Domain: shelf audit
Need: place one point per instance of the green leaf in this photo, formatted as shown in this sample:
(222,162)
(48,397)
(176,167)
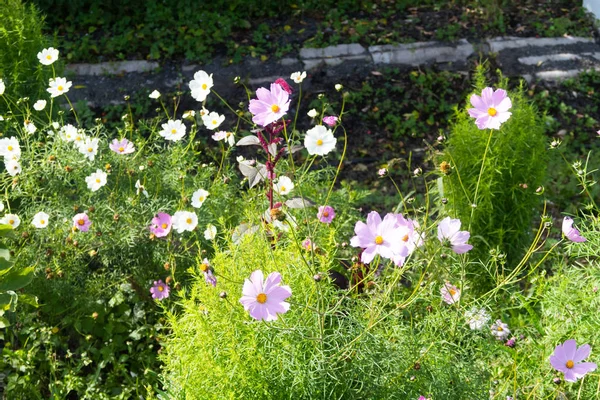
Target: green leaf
(5,265)
(8,301)
(6,231)
(29,299)
(4,322)
(15,280)
(4,252)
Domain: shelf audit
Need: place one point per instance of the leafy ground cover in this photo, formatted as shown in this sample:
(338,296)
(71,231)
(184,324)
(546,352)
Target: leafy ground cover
(90,30)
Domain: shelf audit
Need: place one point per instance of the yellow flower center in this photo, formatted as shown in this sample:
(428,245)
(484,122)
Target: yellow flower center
(405,238)
(499,329)
(42,222)
(275,108)
(173,131)
(319,142)
(214,121)
(48,57)
(164,226)
(11,221)
(261,298)
(378,240)
(189,220)
(452,292)
(204,86)
(60,88)
(10,148)
(81,222)
(282,189)
(492,112)
(204,267)
(90,150)
(160,288)
(201,198)
(570,364)
(121,149)
(97,180)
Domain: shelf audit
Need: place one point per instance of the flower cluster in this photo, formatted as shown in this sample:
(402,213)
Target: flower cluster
(11,151)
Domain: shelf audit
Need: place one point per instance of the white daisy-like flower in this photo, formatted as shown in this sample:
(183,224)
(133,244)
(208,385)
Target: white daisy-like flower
(140,188)
(298,77)
(40,220)
(203,112)
(312,113)
(200,85)
(68,133)
(173,130)
(154,95)
(229,137)
(190,114)
(12,220)
(283,185)
(10,149)
(213,120)
(48,56)
(184,221)
(39,105)
(2,87)
(13,167)
(89,148)
(79,139)
(96,180)
(319,140)
(58,86)
(29,127)
(198,198)
(211,232)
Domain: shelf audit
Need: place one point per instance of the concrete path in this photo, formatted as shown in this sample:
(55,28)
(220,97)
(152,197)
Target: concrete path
(532,58)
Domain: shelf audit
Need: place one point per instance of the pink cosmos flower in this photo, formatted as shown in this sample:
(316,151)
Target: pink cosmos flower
(450,293)
(491,109)
(159,290)
(265,299)
(567,359)
(122,146)
(378,236)
(81,222)
(500,330)
(209,277)
(307,244)
(449,231)
(410,238)
(326,214)
(570,232)
(284,85)
(161,224)
(270,105)
(330,120)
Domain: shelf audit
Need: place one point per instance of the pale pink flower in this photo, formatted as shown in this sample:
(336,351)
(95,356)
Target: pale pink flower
(379,236)
(270,105)
(330,120)
(567,359)
(159,290)
(82,222)
(264,299)
(122,146)
(450,293)
(449,231)
(570,232)
(491,109)
(326,214)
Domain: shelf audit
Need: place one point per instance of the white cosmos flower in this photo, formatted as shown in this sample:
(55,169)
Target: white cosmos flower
(211,232)
(39,105)
(11,219)
(68,133)
(184,221)
(224,135)
(199,197)
(312,113)
(298,77)
(173,130)
(79,138)
(58,86)
(9,148)
(29,127)
(154,95)
(40,220)
(13,167)
(200,85)
(89,148)
(319,140)
(283,185)
(213,120)
(48,56)
(96,180)
(2,87)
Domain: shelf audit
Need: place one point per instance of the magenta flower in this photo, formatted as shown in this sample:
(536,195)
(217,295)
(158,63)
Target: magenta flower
(450,293)
(379,236)
(570,232)
(265,299)
(159,290)
(270,105)
(122,146)
(491,109)
(449,231)
(567,359)
(326,214)
(209,277)
(161,224)
(330,120)
(81,222)
(284,85)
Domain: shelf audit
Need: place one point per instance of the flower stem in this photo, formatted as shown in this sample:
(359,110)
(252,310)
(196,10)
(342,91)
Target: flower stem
(487,146)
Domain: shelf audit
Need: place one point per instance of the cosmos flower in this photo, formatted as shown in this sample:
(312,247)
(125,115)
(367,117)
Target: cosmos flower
(13,167)
(211,232)
(39,105)
(159,290)
(89,148)
(270,105)
(96,180)
(82,222)
(312,113)
(450,293)
(330,120)
(122,146)
(500,330)
(58,86)
(265,299)
(206,268)
(226,136)
(173,130)
(198,198)
(12,220)
(326,214)
(319,140)
(161,224)
(477,318)
(491,109)
(567,359)
(298,77)
(10,148)
(184,221)
(379,236)
(570,232)
(449,231)
(409,237)
(212,120)
(68,133)
(200,85)
(40,220)
(48,56)
(283,185)
(154,95)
